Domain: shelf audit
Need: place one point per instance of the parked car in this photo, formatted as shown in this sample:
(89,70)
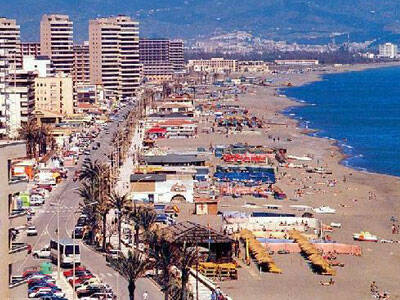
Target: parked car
(45,292)
(105,296)
(31,231)
(42,253)
(68,273)
(77,233)
(36,200)
(47,187)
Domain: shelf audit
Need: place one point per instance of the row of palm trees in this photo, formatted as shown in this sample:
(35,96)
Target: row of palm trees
(162,256)
(37,137)
(97,180)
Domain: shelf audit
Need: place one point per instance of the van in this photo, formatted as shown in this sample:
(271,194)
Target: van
(66,252)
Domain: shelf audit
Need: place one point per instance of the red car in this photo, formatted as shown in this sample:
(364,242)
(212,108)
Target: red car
(46,187)
(68,273)
(80,280)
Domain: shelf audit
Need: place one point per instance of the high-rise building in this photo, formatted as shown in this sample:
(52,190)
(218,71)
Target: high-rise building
(176,54)
(10,41)
(30,48)
(114,55)
(21,100)
(81,66)
(10,186)
(56,41)
(3,89)
(388,50)
(154,57)
(54,96)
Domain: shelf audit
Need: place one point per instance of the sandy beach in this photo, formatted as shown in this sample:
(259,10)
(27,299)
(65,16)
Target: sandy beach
(350,196)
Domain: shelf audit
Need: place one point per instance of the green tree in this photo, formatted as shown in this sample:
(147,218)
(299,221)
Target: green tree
(132,267)
(28,132)
(120,203)
(187,257)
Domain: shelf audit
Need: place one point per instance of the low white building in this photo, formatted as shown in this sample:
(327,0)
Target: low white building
(40,64)
(162,188)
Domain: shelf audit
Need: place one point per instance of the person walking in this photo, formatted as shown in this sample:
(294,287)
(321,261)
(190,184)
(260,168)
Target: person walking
(145,296)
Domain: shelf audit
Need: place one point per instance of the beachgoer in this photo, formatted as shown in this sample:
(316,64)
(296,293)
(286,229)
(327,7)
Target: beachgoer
(213,296)
(373,287)
(145,296)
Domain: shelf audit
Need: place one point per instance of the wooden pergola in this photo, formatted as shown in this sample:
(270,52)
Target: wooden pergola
(193,234)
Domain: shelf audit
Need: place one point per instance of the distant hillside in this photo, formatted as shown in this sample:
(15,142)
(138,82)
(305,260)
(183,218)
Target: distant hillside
(311,21)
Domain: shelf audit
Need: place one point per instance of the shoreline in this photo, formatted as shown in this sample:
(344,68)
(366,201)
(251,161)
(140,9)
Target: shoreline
(318,76)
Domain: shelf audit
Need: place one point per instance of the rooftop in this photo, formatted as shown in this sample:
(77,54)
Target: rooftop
(194,233)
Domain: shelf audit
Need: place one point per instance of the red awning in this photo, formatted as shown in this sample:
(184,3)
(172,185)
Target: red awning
(157,130)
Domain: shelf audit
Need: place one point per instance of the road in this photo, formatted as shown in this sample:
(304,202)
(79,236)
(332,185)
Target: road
(45,221)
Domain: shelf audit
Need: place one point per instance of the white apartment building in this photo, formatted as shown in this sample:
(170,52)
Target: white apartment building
(3,94)
(20,102)
(114,55)
(388,50)
(213,65)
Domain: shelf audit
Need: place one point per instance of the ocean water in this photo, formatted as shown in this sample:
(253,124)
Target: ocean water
(361,110)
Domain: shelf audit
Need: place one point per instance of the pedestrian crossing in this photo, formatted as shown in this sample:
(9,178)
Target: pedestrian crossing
(53,210)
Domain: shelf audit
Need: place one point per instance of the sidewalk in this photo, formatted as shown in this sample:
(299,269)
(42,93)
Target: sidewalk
(123,183)
(64,285)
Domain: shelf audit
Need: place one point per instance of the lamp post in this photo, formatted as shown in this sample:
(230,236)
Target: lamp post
(58,239)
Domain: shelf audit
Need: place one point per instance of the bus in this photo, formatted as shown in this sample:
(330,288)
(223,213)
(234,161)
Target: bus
(66,252)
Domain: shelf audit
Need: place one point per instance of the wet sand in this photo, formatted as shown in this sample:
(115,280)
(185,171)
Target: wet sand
(354,208)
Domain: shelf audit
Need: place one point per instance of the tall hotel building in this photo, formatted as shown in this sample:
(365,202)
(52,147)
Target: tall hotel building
(114,55)
(81,69)
(176,54)
(154,56)
(56,41)
(10,41)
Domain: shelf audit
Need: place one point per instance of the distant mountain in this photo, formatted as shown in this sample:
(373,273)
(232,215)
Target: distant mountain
(311,21)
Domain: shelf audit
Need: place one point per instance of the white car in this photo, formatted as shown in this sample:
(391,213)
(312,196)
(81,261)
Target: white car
(44,291)
(31,231)
(103,296)
(42,253)
(36,200)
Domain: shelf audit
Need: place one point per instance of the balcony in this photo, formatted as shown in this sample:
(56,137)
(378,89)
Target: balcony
(18,252)
(17,184)
(17,219)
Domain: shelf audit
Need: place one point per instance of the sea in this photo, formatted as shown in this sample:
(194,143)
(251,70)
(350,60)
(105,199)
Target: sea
(360,110)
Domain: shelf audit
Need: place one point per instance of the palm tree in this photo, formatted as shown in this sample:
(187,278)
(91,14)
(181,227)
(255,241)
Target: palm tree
(97,175)
(43,138)
(132,268)
(165,255)
(187,257)
(90,171)
(28,132)
(120,203)
(144,218)
(88,193)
